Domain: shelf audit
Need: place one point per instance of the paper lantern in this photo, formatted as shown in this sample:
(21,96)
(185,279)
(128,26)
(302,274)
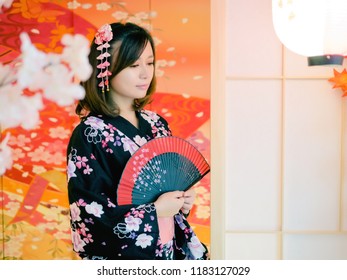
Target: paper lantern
(313,28)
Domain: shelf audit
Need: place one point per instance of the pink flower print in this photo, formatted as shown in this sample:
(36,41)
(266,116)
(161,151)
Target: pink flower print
(78,243)
(40,154)
(150,116)
(75,212)
(17,154)
(83,229)
(140,140)
(111,128)
(148,228)
(88,238)
(144,240)
(196,247)
(71,168)
(104,143)
(88,170)
(56,146)
(117,141)
(108,136)
(132,223)
(110,203)
(129,145)
(59,132)
(94,209)
(158,253)
(81,202)
(155,130)
(81,161)
(92,156)
(104,34)
(90,221)
(95,123)
(20,140)
(138,213)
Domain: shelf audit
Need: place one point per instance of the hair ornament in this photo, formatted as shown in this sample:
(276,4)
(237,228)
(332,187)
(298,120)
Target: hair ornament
(102,37)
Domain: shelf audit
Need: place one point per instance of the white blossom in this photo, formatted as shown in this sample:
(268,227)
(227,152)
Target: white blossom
(119,15)
(133,223)
(142,15)
(73,5)
(143,240)
(196,247)
(44,74)
(76,54)
(5,155)
(33,62)
(5,3)
(103,6)
(17,109)
(59,86)
(95,209)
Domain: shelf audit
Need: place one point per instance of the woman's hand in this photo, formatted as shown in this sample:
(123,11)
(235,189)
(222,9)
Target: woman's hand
(189,197)
(168,204)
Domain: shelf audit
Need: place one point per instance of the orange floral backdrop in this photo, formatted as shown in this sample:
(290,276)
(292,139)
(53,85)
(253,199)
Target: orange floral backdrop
(34,220)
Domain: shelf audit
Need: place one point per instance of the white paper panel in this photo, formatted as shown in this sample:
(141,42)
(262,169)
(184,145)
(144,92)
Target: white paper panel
(251,246)
(344,183)
(253,48)
(253,155)
(312,156)
(315,246)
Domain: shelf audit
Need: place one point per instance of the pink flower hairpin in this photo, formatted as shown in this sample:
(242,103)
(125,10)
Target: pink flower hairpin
(102,37)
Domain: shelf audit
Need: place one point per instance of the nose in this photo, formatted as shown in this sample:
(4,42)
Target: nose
(144,71)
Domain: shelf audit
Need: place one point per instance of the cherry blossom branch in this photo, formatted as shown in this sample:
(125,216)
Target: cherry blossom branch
(45,75)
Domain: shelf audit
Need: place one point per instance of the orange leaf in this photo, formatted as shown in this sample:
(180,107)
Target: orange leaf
(339,79)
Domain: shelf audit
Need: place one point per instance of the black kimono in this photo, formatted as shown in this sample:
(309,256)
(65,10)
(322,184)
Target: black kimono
(97,154)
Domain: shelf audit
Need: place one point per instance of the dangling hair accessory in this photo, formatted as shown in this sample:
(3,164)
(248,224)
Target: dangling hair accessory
(102,37)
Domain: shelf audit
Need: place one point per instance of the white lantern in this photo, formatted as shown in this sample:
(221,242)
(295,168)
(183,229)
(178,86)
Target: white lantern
(313,28)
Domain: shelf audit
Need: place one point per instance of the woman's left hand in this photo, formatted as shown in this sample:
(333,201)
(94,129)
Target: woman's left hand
(189,197)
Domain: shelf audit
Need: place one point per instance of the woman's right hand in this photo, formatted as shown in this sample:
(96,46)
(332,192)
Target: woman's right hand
(168,204)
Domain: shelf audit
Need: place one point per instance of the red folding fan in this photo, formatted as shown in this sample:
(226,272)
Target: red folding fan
(161,165)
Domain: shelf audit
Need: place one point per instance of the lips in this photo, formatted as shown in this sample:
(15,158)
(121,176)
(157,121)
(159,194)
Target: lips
(142,87)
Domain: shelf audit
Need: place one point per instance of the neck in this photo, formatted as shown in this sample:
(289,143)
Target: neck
(130,116)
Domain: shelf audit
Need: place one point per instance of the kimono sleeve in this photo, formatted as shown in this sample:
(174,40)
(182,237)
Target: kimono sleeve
(100,228)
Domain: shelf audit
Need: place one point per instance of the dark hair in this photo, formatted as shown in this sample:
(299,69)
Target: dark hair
(129,41)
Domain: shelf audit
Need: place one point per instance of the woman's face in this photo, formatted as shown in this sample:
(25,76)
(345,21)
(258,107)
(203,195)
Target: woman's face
(133,81)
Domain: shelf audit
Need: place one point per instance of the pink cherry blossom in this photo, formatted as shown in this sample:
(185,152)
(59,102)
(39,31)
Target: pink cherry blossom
(104,34)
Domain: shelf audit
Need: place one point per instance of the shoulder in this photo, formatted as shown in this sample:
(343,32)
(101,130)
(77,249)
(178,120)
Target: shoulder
(92,121)
(89,129)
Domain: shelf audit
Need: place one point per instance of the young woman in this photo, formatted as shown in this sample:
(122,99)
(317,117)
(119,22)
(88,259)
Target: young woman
(113,126)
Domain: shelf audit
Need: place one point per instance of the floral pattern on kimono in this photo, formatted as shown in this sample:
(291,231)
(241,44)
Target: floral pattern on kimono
(98,151)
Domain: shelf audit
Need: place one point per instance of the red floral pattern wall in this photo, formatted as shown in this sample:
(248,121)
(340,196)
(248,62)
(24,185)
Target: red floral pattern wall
(34,220)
